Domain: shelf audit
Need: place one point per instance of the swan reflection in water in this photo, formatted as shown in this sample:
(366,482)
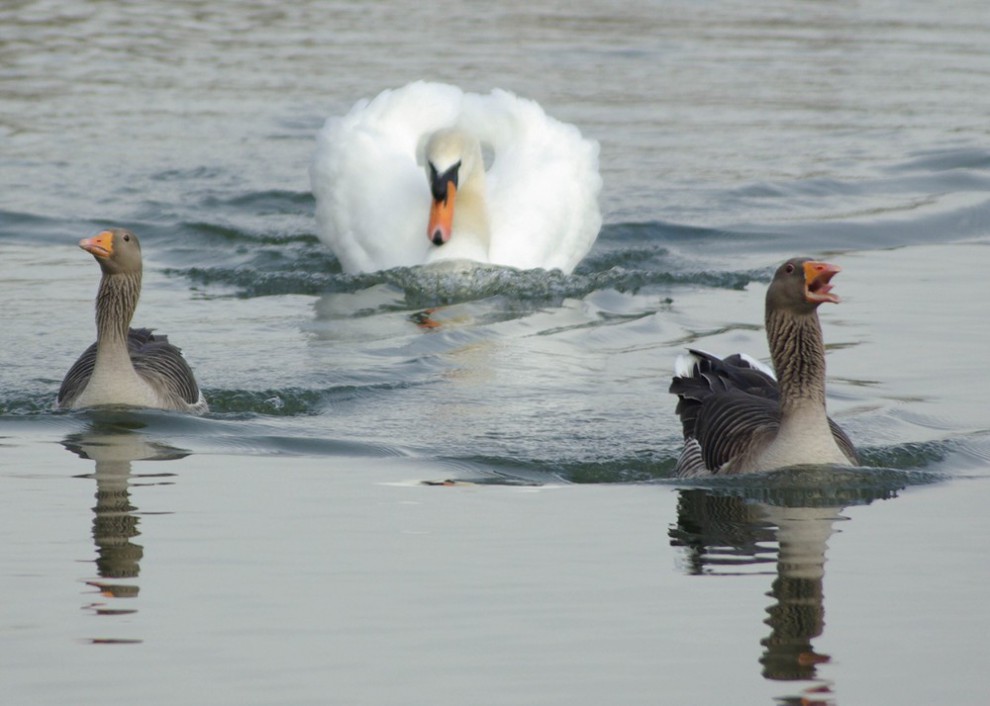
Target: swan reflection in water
(113,445)
(782,532)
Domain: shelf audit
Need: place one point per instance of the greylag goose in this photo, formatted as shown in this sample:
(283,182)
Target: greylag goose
(737,418)
(126,366)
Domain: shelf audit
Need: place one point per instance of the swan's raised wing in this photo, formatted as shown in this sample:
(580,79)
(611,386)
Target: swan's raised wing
(543,182)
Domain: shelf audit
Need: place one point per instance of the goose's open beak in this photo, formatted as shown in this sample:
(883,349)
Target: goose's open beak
(817,278)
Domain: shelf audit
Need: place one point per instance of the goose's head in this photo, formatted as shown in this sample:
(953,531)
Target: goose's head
(801,284)
(453,162)
(116,249)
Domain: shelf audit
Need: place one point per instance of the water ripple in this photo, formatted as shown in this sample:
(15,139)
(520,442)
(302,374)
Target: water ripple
(626,261)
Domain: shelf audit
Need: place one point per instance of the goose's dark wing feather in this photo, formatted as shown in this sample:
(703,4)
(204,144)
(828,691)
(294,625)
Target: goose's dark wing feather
(727,408)
(709,376)
(844,442)
(733,424)
(739,373)
(691,462)
(162,365)
(78,376)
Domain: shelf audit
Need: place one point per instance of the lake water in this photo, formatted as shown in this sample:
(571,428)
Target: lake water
(483,512)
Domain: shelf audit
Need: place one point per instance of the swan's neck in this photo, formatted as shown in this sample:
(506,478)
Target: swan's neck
(798,352)
(471,229)
(471,216)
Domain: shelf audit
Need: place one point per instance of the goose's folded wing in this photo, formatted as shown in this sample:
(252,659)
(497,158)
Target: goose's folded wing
(161,364)
(734,425)
(701,376)
(844,442)
(78,376)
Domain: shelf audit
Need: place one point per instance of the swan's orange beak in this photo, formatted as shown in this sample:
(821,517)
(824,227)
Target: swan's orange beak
(817,276)
(100,245)
(442,216)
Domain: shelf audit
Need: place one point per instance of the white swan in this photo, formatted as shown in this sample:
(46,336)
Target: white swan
(374,169)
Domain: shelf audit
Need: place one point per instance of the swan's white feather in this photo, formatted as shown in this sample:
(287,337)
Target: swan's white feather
(372,196)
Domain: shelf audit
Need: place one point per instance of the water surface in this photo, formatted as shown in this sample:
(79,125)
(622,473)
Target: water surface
(380,511)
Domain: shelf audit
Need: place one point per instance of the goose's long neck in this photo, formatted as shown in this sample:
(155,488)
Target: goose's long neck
(798,352)
(115,304)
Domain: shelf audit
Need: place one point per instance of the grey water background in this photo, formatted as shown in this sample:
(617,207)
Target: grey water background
(483,511)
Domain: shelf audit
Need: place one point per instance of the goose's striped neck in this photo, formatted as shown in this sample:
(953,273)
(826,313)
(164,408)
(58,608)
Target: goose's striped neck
(798,352)
(115,304)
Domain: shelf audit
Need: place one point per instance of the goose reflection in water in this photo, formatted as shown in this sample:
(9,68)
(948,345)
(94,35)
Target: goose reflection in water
(733,530)
(113,446)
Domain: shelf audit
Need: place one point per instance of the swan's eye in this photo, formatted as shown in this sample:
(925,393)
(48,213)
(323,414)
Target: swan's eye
(127,238)
(790,268)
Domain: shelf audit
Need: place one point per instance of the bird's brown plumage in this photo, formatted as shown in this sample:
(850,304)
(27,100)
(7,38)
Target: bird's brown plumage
(126,366)
(737,418)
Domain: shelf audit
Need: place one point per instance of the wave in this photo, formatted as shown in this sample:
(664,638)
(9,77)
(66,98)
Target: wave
(146,433)
(885,472)
(272,422)
(629,258)
(498,470)
(232,404)
(17,404)
(234,255)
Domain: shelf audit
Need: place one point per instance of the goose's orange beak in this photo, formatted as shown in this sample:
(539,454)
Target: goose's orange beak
(100,245)
(442,216)
(817,278)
